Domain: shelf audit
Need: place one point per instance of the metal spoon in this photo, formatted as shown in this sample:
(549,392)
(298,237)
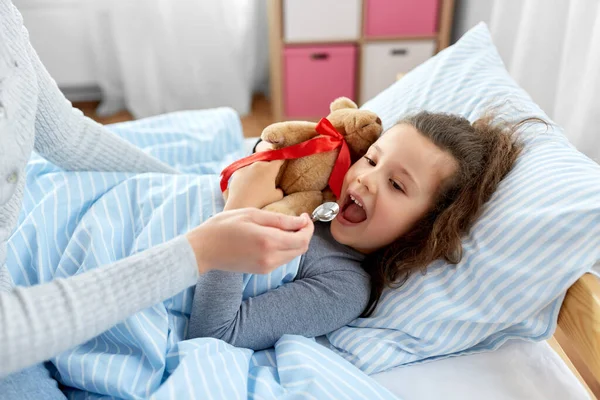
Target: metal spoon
(326,212)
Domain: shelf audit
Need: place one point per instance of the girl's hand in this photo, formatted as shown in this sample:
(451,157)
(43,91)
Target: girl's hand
(249,240)
(263,146)
(254,186)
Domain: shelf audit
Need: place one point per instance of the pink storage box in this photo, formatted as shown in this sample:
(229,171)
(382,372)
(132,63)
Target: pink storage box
(315,76)
(401,17)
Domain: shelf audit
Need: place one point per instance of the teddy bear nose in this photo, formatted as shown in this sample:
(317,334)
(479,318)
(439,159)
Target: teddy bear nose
(378,121)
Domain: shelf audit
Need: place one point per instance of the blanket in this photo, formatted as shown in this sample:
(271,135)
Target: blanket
(72,222)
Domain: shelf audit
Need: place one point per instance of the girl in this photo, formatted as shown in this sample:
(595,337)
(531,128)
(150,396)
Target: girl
(406,203)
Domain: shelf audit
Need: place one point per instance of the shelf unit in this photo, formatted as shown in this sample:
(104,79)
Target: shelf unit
(278,43)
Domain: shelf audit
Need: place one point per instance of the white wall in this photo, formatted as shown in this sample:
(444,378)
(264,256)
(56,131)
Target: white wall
(59,34)
(467,13)
(261,72)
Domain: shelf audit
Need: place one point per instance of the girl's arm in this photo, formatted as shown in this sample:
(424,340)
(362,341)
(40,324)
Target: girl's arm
(324,298)
(72,141)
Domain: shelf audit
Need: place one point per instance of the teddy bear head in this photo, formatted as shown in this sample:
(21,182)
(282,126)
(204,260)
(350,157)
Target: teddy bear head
(360,128)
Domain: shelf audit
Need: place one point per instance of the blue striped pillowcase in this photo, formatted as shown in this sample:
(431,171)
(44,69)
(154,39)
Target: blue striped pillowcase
(538,234)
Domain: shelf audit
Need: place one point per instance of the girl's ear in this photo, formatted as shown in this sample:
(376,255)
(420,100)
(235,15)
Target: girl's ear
(341,103)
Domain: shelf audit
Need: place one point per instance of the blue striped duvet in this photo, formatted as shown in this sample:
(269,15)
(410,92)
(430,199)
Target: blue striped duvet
(75,221)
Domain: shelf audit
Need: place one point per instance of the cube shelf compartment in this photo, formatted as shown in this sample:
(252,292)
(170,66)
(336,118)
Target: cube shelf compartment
(323,49)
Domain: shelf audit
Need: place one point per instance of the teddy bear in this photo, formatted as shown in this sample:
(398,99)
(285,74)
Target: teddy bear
(304,181)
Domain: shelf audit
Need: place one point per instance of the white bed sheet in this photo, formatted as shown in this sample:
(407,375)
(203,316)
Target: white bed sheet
(517,370)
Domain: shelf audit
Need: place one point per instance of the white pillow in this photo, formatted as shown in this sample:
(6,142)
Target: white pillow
(538,234)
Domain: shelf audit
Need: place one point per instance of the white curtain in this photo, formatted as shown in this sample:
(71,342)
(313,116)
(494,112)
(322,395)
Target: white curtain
(552,49)
(157,56)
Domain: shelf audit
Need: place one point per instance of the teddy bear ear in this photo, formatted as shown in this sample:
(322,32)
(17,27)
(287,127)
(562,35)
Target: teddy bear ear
(342,102)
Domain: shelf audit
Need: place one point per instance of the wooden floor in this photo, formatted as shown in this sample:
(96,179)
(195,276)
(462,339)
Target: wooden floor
(252,124)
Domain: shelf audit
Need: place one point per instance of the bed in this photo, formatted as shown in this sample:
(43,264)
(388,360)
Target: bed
(145,356)
(496,314)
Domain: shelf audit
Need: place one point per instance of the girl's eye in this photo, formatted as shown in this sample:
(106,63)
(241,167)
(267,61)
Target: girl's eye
(396,186)
(371,162)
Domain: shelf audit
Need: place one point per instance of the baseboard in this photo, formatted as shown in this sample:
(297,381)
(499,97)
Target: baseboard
(82,93)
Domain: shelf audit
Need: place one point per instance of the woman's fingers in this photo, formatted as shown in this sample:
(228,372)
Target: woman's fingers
(279,240)
(280,221)
(281,249)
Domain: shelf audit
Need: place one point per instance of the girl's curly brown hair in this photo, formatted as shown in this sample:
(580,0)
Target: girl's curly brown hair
(485,151)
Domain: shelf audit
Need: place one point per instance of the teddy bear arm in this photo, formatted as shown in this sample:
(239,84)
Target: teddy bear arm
(284,134)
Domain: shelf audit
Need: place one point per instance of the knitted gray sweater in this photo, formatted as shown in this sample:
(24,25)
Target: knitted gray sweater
(39,322)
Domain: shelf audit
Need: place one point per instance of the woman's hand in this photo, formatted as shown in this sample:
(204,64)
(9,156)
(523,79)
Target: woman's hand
(254,186)
(249,240)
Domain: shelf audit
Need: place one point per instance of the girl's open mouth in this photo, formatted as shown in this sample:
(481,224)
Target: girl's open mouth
(353,210)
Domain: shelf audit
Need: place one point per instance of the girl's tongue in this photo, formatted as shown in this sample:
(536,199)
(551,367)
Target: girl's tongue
(354,213)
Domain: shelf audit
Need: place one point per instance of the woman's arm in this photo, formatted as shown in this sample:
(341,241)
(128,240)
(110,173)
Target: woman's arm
(39,322)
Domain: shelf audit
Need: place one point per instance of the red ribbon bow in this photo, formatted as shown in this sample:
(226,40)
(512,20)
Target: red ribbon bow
(329,140)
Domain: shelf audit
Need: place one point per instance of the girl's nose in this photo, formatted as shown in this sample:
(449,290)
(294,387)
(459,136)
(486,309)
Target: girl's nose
(368,182)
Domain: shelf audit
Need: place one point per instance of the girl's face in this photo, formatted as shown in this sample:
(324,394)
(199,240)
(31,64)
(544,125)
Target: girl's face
(386,192)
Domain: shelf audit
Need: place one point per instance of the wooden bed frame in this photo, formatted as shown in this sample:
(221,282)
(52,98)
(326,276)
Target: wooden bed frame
(577,339)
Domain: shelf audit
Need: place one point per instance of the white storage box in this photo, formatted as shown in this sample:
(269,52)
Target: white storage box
(321,20)
(383,61)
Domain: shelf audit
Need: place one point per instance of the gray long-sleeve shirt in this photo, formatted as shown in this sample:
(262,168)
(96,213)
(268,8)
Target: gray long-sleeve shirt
(330,290)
